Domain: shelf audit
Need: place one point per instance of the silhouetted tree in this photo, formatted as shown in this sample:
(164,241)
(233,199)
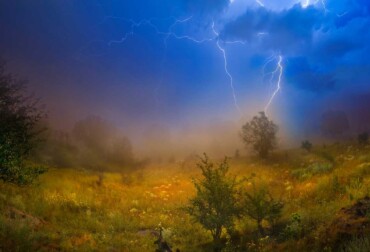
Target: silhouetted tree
(306,145)
(237,154)
(20,133)
(334,123)
(260,133)
(363,138)
(101,144)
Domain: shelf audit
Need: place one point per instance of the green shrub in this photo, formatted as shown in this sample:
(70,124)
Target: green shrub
(215,203)
(313,169)
(306,145)
(294,230)
(21,173)
(326,156)
(259,205)
(363,138)
(20,130)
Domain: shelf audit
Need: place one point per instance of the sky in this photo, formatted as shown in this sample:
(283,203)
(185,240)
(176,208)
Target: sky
(182,62)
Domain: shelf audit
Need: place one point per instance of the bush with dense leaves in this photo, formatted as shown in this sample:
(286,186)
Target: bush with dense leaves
(20,130)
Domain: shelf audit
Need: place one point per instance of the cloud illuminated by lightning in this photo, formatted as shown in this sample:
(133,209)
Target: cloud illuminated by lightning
(307,3)
(279,72)
(219,44)
(170,33)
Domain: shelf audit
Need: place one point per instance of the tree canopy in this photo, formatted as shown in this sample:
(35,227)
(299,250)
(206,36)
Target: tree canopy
(260,133)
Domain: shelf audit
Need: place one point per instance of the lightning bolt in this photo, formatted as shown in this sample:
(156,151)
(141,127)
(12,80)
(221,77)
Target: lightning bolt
(279,72)
(170,33)
(131,31)
(324,5)
(165,41)
(223,52)
(219,42)
(260,3)
(307,3)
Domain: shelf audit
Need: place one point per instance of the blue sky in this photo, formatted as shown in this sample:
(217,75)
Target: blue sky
(137,62)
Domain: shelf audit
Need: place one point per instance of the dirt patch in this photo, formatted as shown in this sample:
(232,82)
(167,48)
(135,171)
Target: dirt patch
(15,214)
(353,221)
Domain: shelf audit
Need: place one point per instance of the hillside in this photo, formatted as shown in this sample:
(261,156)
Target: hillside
(76,210)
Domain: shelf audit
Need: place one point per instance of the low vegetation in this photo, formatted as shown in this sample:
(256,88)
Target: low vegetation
(270,210)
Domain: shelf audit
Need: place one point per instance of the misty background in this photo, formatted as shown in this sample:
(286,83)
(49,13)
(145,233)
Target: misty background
(153,98)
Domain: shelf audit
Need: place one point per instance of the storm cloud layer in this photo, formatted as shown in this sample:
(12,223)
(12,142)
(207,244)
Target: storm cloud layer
(138,62)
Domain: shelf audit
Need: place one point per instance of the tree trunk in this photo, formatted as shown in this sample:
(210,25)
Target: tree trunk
(217,246)
(260,228)
(263,154)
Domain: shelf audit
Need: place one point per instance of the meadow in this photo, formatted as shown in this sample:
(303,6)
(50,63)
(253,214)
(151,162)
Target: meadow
(71,209)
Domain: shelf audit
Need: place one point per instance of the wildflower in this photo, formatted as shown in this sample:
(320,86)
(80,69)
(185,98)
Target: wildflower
(133,210)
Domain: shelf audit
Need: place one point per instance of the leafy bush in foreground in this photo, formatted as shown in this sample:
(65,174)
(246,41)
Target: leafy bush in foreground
(215,203)
(20,131)
(259,205)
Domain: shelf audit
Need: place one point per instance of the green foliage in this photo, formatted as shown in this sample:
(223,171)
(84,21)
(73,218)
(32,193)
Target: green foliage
(260,205)
(312,169)
(294,230)
(215,203)
(363,138)
(327,156)
(21,174)
(260,133)
(20,130)
(306,145)
(336,186)
(363,169)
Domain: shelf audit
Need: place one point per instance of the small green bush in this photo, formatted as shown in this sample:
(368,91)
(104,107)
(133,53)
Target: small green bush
(363,138)
(306,145)
(313,169)
(294,230)
(215,203)
(326,156)
(259,205)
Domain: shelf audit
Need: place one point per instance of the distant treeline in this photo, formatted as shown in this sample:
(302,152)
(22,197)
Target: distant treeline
(93,143)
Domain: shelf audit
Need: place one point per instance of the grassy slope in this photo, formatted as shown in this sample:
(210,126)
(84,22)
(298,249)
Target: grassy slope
(81,215)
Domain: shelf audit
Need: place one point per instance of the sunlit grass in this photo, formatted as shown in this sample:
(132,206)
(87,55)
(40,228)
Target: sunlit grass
(119,214)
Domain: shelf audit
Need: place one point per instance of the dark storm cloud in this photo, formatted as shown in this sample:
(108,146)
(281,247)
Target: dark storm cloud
(204,6)
(308,77)
(285,31)
(64,48)
(314,43)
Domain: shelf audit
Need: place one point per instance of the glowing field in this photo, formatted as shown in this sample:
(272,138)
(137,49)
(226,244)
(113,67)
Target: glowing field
(120,214)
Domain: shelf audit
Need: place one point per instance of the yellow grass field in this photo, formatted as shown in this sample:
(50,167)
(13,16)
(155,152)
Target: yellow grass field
(73,210)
